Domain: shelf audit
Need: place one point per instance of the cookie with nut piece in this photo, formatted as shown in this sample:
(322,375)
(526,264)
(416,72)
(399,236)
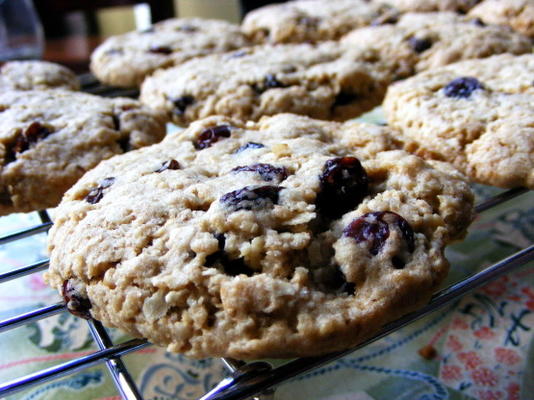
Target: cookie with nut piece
(50,138)
(279,238)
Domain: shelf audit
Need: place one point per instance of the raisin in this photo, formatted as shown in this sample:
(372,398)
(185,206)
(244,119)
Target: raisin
(170,164)
(344,98)
(160,49)
(267,172)
(96,194)
(234,267)
(5,198)
(478,22)
(251,197)
(112,52)
(181,104)
(336,281)
(289,69)
(116,122)
(9,155)
(374,228)
(34,133)
(389,18)
(420,45)
(211,135)
(220,258)
(344,184)
(124,144)
(238,54)
(269,82)
(187,28)
(462,87)
(397,262)
(76,304)
(309,22)
(249,145)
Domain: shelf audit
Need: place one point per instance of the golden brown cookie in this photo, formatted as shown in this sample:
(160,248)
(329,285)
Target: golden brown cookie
(476,114)
(281,238)
(50,138)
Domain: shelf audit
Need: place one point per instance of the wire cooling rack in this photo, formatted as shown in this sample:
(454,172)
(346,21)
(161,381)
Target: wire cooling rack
(245,379)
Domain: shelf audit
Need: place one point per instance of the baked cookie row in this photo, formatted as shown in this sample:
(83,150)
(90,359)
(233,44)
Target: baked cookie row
(315,20)
(126,60)
(329,80)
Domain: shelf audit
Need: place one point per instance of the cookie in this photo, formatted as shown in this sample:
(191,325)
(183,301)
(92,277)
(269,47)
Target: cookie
(311,20)
(518,14)
(324,81)
(476,114)
(461,6)
(50,138)
(125,60)
(28,75)
(422,41)
(282,238)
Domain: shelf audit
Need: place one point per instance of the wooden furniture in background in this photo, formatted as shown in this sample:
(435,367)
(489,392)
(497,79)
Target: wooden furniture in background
(71,27)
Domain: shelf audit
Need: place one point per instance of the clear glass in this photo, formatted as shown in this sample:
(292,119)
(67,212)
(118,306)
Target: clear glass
(21,32)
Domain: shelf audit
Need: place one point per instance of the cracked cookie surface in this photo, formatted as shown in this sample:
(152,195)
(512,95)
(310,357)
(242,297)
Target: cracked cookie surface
(125,60)
(476,114)
(281,238)
(50,138)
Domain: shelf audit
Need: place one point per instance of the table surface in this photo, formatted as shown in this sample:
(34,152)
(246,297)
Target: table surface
(74,52)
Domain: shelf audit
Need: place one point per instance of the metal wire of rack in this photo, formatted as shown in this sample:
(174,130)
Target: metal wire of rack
(246,379)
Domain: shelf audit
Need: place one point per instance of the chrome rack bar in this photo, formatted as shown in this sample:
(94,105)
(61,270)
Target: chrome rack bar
(232,365)
(243,384)
(499,199)
(121,377)
(71,367)
(26,270)
(23,233)
(43,214)
(34,315)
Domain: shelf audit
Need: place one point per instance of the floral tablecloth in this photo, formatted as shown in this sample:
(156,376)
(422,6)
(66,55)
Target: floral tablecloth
(480,347)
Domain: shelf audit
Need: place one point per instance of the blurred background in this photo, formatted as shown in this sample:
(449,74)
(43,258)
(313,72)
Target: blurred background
(71,29)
